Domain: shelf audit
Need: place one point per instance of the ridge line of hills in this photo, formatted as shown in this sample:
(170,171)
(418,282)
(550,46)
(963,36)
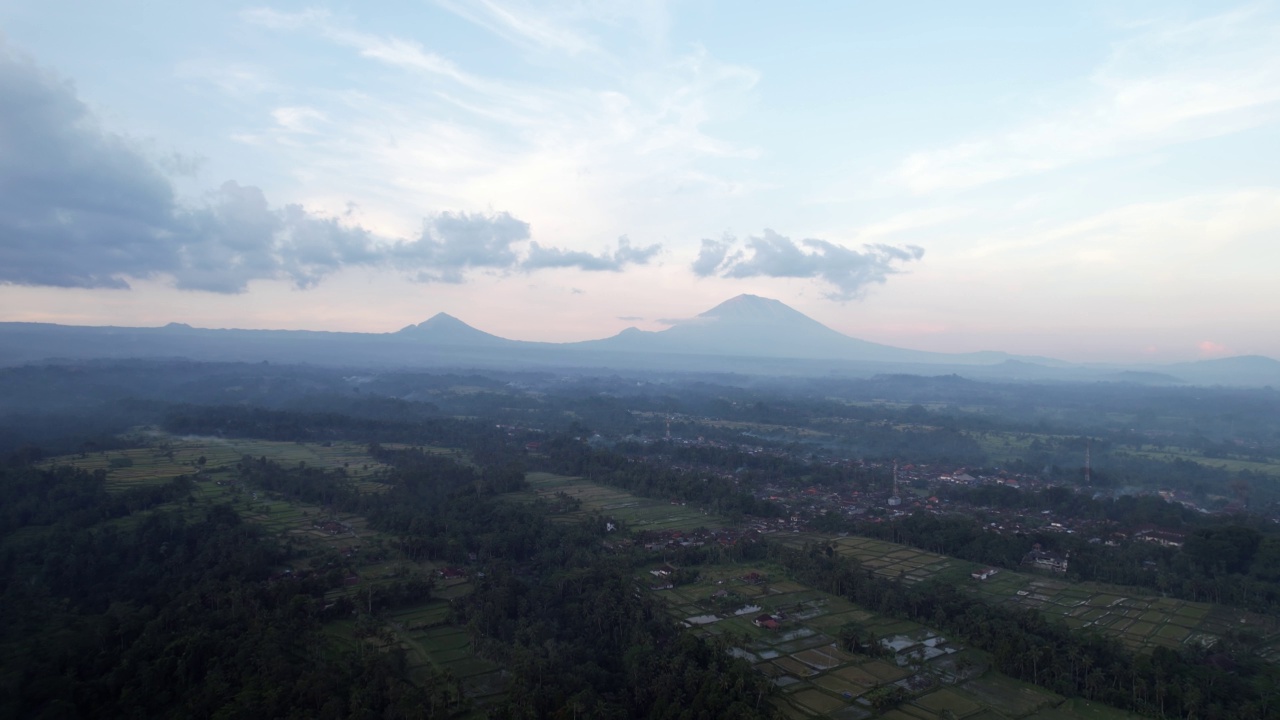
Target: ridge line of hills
(746,334)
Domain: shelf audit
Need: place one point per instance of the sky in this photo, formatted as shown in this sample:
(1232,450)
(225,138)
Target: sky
(1090,181)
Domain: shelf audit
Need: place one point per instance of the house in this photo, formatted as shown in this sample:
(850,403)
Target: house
(1163,538)
(664,571)
(767,622)
(1045,560)
(451,573)
(984,574)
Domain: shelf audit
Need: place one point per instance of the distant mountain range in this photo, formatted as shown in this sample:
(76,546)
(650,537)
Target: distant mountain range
(752,326)
(746,334)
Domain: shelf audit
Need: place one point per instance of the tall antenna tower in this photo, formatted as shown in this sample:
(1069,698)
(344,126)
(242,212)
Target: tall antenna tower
(896,499)
(1088,461)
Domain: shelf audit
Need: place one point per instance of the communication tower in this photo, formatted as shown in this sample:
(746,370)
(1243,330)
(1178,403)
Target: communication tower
(895,500)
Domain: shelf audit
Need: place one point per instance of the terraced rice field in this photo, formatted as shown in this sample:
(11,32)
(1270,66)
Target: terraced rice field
(434,646)
(820,680)
(891,560)
(1141,621)
(170,456)
(638,513)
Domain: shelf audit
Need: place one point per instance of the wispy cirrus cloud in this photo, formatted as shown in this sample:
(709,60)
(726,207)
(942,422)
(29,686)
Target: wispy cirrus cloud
(525,25)
(1168,82)
(587,146)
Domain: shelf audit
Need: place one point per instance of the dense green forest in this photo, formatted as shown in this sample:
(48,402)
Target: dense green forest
(168,614)
(123,604)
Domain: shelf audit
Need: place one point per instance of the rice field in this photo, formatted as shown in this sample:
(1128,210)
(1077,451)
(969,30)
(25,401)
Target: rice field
(639,514)
(1229,464)
(1141,621)
(166,457)
(434,646)
(818,679)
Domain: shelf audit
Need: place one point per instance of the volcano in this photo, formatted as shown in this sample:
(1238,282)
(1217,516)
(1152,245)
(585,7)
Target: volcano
(753,326)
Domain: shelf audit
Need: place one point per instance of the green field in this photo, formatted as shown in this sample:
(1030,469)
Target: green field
(1229,464)
(165,457)
(638,513)
(1003,447)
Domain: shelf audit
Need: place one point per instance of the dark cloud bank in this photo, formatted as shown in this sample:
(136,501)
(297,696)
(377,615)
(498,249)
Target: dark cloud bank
(773,255)
(81,207)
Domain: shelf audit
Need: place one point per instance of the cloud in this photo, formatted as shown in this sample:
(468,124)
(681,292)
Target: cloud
(238,237)
(626,133)
(1211,349)
(1172,82)
(83,207)
(773,255)
(452,243)
(547,257)
(78,207)
(522,25)
(711,256)
(630,318)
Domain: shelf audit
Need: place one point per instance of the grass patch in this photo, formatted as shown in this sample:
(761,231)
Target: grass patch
(1010,696)
(819,701)
(947,699)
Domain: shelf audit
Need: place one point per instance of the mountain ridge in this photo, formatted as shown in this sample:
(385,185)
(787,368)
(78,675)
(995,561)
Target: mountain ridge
(744,334)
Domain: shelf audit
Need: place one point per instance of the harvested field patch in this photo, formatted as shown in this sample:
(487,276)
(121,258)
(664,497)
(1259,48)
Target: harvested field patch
(840,686)
(794,667)
(1014,698)
(819,701)
(885,672)
(857,676)
(1141,628)
(817,659)
(947,699)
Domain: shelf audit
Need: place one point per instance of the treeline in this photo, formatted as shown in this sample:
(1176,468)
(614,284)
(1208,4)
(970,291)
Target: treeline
(287,425)
(1124,510)
(753,469)
(581,642)
(567,455)
(1225,682)
(31,496)
(1221,560)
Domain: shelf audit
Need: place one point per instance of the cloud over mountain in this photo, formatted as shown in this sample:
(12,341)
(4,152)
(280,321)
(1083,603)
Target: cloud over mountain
(773,255)
(625,254)
(83,207)
(451,243)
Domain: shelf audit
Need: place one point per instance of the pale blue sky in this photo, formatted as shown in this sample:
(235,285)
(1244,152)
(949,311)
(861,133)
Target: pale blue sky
(1089,181)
